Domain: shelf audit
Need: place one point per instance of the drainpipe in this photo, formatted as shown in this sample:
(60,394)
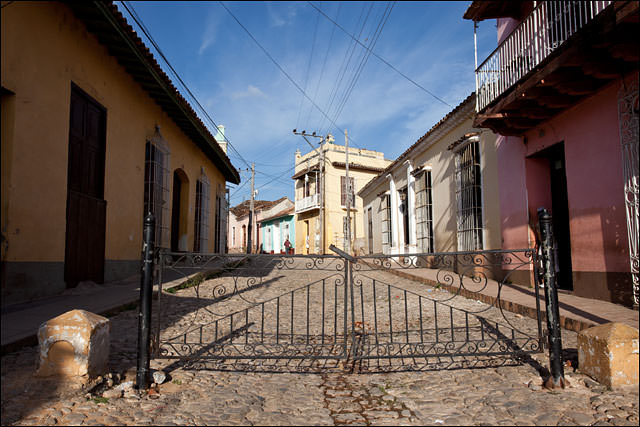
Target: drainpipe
(475,54)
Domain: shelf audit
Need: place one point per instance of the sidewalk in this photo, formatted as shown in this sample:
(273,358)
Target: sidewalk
(576,313)
(20,322)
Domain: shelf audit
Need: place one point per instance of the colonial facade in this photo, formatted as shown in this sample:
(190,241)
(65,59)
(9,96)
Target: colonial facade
(440,195)
(321,195)
(561,90)
(94,136)
(239,223)
(277,226)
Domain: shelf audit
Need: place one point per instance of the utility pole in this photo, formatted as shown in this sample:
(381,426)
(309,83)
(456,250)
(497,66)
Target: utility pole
(348,185)
(321,188)
(250,227)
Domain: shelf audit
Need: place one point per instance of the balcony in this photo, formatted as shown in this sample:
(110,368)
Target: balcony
(308,203)
(561,52)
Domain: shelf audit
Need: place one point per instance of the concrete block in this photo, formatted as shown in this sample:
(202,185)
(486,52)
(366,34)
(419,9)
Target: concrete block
(75,343)
(609,354)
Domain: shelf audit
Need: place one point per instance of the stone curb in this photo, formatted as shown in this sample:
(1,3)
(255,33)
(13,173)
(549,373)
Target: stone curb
(514,307)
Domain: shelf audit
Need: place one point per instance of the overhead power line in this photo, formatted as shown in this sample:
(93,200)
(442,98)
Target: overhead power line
(280,67)
(306,78)
(374,39)
(346,60)
(138,20)
(324,63)
(379,57)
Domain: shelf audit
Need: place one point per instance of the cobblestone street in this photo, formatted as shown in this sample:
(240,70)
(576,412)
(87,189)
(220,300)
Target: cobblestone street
(403,391)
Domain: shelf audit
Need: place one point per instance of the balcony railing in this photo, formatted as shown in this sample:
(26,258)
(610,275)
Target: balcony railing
(308,203)
(549,25)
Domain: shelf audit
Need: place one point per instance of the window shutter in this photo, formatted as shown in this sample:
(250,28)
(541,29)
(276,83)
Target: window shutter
(384,209)
(420,217)
(353,191)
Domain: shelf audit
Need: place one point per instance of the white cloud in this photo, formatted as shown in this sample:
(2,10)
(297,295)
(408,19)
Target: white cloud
(283,16)
(250,92)
(210,32)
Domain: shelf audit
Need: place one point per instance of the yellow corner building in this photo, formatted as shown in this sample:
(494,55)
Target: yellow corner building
(94,135)
(321,195)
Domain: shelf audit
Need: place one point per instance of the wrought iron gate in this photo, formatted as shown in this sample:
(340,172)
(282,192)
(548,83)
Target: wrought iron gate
(435,320)
(293,312)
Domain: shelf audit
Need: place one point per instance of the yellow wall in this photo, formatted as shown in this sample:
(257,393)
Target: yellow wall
(334,211)
(44,49)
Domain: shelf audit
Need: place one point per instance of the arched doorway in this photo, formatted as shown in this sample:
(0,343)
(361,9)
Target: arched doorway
(179,211)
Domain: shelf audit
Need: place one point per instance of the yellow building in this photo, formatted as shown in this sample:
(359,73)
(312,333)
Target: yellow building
(321,195)
(94,134)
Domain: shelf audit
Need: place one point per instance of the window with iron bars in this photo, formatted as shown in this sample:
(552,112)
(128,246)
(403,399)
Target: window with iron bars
(424,212)
(201,234)
(156,187)
(469,198)
(385,211)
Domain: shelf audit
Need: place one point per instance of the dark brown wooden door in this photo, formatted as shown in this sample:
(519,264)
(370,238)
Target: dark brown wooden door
(86,207)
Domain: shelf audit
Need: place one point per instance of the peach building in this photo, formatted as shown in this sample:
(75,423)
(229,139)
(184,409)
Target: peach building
(94,136)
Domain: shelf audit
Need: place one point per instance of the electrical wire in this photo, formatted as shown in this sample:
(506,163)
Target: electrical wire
(278,177)
(324,62)
(344,66)
(279,66)
(134,15)
(355,69)
(340,70)
(374,41)
(379,57)
(306,78)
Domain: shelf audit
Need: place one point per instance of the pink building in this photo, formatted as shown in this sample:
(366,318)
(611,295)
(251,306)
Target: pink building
(561,91)
(239,223)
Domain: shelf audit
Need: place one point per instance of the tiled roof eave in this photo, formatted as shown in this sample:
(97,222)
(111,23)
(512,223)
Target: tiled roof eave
(466,104)
(112,30)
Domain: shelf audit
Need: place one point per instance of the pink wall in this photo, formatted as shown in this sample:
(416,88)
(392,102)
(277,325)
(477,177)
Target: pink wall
(590,133)
(513,192)
(505,27)
(591,136)
(238,223)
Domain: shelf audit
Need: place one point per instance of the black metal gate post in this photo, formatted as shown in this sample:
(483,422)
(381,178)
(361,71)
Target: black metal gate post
(144,313)
(551,295)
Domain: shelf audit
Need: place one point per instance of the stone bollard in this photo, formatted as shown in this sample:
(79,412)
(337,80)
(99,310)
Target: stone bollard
(609,354)
(75,343)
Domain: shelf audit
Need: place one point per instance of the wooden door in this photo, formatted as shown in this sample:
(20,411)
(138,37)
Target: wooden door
(86,207)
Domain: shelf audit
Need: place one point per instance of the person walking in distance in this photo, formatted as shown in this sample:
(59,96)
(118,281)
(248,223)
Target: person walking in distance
(287,245)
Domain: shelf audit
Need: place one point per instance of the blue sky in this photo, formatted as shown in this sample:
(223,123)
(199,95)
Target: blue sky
(241,88)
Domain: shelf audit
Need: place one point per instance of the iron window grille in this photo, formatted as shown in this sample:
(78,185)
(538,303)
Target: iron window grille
(156,186)
(424,212)
(220,238)
(201,235)
(469,197)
